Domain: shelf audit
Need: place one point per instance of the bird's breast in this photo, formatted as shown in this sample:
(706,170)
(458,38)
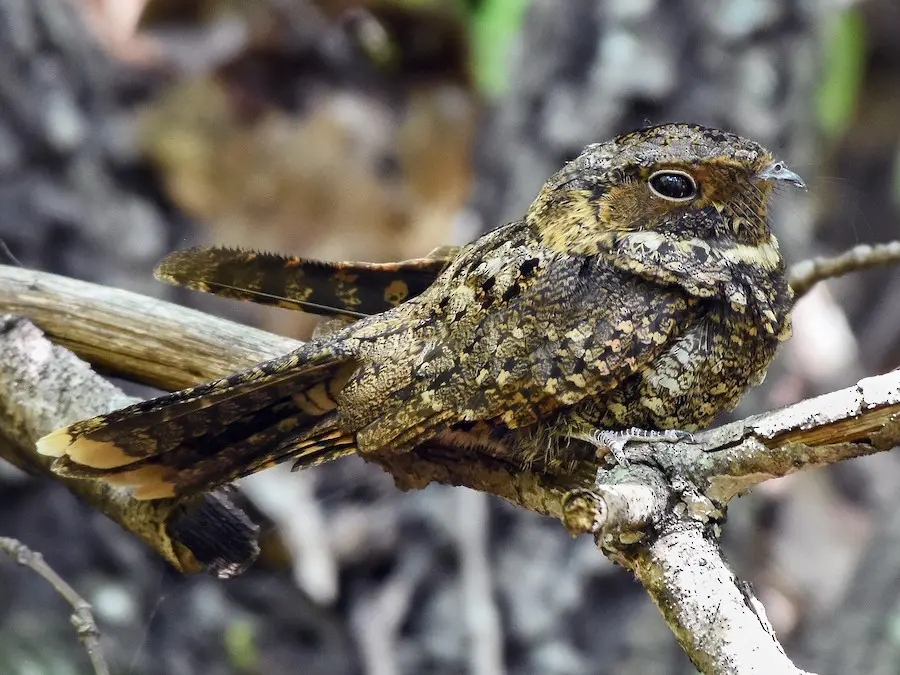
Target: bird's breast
(704,372)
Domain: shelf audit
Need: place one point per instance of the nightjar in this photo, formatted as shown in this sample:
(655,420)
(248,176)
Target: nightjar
(643,288)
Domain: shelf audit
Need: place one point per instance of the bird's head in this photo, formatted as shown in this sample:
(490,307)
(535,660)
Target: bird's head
(678,181)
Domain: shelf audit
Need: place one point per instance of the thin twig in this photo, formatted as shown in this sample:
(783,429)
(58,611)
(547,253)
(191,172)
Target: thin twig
(4,249)
(804,275)
(82,617)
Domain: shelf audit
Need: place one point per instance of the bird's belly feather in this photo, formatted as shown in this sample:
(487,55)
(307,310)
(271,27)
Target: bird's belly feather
(704,373)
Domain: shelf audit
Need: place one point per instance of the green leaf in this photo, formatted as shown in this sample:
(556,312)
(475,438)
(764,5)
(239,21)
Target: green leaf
(240,645)
(493,26)
(844,64)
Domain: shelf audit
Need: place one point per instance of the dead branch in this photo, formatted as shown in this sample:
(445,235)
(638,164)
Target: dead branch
(137,337)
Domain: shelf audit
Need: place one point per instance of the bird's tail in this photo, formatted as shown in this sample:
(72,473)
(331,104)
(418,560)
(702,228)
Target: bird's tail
(348,289)
(196,439)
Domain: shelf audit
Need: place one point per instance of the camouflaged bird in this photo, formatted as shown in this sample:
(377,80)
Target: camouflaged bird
(643,289)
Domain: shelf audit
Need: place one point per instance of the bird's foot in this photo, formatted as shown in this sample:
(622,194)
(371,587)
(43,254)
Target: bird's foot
(615,441)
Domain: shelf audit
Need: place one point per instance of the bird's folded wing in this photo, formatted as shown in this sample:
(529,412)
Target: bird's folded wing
(548,349)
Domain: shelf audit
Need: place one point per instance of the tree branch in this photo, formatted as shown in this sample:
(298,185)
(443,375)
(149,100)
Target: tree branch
(715,616)
(659,516)
(140,338)
(806,274)
(82,616)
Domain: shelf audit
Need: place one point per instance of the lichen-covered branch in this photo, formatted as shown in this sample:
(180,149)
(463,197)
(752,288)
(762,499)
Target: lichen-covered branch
(714,615)
(660,525)
(660,516)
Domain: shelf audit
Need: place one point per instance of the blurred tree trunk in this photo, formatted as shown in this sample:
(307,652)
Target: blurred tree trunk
(73,197)
(584,71)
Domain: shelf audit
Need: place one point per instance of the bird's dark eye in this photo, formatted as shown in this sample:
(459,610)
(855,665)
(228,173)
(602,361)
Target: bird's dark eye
(676,186)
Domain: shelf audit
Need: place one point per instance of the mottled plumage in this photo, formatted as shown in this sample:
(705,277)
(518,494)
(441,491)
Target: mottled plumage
(643,288)
(332,289)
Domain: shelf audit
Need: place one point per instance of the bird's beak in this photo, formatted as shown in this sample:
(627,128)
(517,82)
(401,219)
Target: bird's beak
(778,171)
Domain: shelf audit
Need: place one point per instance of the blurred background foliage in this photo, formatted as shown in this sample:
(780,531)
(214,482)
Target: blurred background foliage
(843,68)
(377,130)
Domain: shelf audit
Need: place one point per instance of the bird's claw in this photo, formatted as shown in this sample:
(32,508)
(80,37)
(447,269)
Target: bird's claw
(615,441)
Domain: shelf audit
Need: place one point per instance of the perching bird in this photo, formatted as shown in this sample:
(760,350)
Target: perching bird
(642,289)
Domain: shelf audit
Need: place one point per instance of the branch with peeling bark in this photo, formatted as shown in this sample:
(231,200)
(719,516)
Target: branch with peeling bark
(658,516)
